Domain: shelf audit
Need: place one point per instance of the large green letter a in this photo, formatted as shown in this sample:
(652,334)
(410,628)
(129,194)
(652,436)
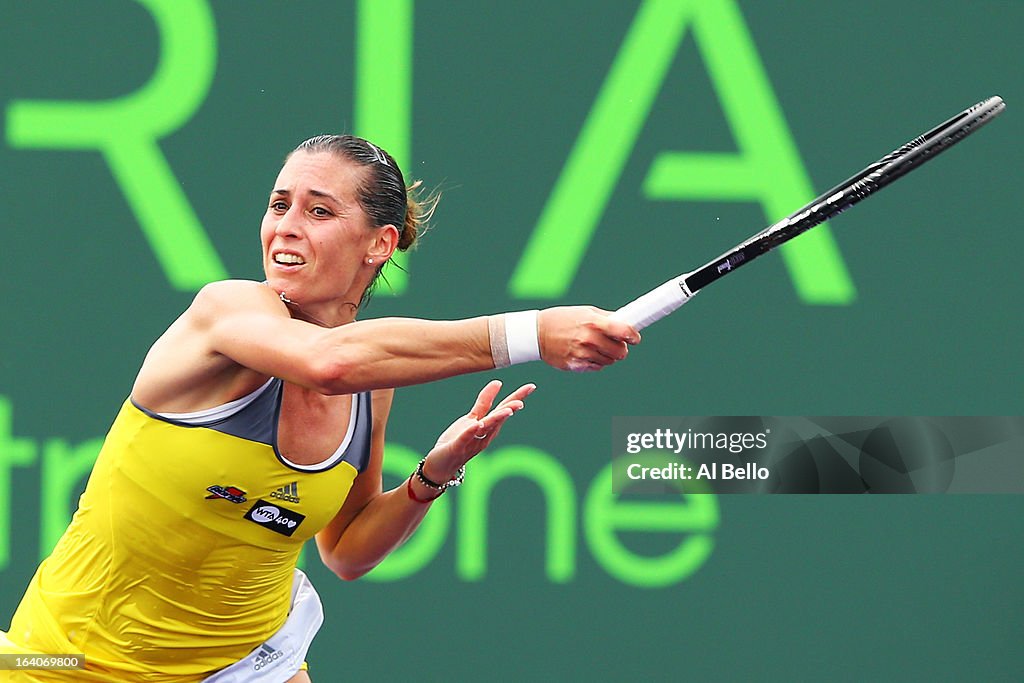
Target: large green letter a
(766,170)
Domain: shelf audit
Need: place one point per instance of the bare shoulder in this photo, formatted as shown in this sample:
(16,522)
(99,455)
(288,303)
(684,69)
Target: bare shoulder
(216,299)
(182,371)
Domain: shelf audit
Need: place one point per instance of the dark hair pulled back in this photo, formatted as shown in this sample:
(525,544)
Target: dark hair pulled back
(383,194)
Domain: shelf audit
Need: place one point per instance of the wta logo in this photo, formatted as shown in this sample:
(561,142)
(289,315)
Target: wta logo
(277,518)
(266,513)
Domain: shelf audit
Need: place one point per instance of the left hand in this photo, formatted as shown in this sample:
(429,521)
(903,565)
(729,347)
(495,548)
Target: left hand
(474,431)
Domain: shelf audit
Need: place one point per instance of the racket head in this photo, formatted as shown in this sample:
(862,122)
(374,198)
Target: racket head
(901,161)
(662,300)
(834,201)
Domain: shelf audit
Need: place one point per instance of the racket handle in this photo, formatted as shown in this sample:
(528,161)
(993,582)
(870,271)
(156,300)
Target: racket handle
(655,304)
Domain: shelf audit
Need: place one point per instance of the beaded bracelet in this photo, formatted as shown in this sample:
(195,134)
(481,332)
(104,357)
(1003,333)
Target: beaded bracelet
(457,480)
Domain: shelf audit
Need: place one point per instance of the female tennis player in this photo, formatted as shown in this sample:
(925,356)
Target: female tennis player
(256,422)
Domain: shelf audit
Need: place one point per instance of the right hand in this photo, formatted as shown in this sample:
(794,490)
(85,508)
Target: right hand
(583,338)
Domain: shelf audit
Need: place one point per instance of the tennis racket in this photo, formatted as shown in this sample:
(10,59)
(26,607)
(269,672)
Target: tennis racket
(666,298)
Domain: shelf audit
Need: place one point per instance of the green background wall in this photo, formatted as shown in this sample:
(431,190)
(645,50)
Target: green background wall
(787,587)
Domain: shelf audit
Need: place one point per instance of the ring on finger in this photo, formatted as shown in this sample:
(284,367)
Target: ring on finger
(480,436)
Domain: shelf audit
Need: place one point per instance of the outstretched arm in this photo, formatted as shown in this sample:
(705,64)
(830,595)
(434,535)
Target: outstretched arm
(241,324)
(371,524)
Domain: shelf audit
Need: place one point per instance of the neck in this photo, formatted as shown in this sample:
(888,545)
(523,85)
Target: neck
(345,314)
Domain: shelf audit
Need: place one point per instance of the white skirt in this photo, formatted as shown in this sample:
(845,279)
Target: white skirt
(281,656)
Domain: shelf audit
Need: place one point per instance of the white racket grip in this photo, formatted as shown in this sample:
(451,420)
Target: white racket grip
(655,304)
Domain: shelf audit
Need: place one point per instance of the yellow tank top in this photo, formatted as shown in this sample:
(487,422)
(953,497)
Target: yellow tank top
(180,557)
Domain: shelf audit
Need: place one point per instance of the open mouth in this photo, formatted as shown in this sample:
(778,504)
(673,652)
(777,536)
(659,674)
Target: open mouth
(288,259)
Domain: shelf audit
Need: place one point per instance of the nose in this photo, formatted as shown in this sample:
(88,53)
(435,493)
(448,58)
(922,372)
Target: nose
(290,224)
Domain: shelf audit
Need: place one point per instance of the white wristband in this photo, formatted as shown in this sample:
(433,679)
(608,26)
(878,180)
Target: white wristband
(521,337)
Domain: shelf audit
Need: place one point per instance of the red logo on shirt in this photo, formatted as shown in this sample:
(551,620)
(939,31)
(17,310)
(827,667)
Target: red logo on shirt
(232,493)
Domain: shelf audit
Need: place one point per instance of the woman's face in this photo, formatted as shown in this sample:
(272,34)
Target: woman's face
(315,236)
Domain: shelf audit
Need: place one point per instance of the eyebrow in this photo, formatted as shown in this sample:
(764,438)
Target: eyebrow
(315,193)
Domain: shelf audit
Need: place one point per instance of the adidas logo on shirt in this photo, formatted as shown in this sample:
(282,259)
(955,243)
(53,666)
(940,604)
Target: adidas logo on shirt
(289,493)
(265,656)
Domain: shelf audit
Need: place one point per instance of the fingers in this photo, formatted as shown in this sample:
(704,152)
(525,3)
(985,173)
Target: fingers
(492,422)
(487,395)
(474,436)
(519,394)
(484,432)
(606,348)
(608,344)
(594,350)
(618,330)
(484,422)
(485,399)
(488,426)
(472,433)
